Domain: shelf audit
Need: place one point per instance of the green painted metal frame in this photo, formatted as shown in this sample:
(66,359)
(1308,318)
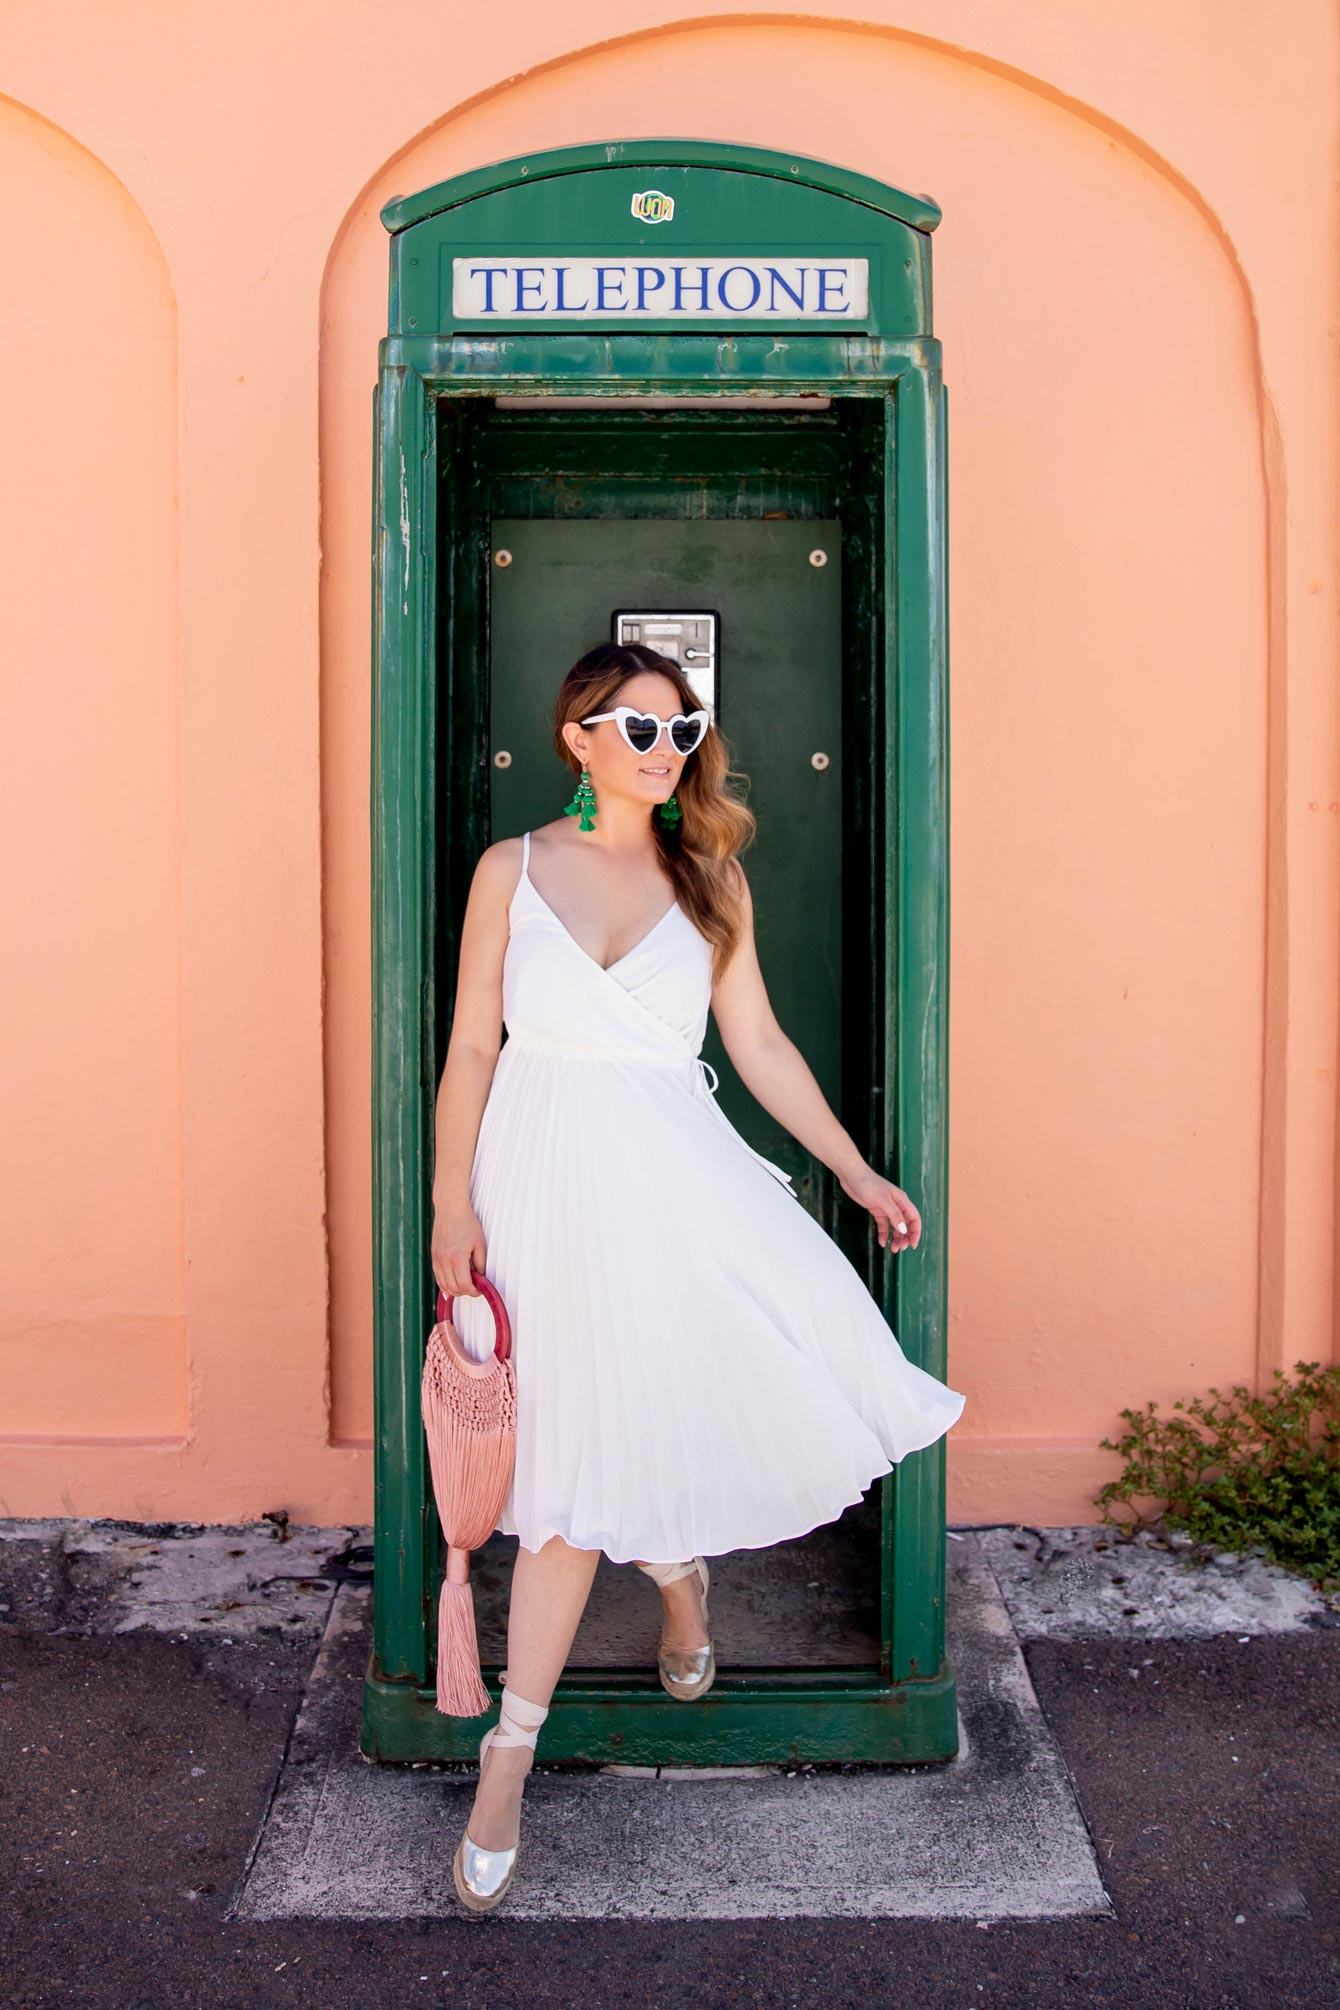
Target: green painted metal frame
(904,1709)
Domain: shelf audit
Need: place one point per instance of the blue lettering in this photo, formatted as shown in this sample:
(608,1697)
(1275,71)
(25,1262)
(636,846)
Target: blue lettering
(746,287)
(777,280)
(650,279)
(522,282)
(490,273)
(679,271)
(562,306)
(601,271)
(740,306)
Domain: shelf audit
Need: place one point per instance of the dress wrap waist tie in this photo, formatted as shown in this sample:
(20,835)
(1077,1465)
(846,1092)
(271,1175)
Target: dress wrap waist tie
(707,1095)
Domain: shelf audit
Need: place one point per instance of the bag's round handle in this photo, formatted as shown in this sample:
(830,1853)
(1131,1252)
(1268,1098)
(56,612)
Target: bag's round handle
(502,1340)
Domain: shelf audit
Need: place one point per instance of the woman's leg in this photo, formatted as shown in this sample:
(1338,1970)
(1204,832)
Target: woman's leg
(682,1614)
(550,1588)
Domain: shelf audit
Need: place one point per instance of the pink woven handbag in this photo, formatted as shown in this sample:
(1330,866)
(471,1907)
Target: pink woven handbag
(469,1417)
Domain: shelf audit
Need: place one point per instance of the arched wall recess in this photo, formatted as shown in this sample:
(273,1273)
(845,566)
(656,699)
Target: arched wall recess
(95,1347)
(1067,242)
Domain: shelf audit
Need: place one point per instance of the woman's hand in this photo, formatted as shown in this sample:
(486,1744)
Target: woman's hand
(458,1246)
(888,1204)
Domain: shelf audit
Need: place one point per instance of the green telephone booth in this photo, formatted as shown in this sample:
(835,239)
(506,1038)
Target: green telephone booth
(686,394)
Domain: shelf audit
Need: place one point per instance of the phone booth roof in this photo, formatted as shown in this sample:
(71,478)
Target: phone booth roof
(658,237)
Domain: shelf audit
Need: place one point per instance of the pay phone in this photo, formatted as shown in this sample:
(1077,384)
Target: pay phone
(691,640)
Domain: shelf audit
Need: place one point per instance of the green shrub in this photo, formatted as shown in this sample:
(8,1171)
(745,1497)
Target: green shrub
(1239,1471)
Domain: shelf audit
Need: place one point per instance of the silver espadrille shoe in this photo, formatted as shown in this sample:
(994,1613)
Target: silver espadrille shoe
(483,1875)
(686,1672)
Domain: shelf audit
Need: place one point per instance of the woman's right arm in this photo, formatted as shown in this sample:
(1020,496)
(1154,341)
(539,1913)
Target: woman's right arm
(472,1055)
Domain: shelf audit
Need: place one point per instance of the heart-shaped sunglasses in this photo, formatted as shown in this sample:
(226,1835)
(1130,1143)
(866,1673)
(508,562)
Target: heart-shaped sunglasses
(642,730)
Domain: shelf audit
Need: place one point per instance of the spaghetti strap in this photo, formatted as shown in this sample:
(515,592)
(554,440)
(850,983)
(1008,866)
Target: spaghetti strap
(525,854)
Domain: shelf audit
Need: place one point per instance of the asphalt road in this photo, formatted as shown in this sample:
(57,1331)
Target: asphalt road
(137,1768)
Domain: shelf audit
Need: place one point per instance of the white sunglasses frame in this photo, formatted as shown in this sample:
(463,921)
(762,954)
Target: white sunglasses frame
(623,713)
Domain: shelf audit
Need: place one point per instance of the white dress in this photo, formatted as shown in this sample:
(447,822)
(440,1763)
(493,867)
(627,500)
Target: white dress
(699,1367)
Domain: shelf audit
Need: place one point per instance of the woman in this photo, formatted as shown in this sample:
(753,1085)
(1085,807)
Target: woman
(699,1367)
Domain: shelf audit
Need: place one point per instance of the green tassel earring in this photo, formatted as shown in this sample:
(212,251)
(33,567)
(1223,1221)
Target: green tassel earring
(583,804)
(670,812)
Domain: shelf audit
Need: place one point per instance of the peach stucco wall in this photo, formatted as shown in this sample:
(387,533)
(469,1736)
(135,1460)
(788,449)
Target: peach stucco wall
(1136,289)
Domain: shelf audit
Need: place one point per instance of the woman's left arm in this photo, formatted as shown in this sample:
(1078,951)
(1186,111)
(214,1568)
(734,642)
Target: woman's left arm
(776,1073)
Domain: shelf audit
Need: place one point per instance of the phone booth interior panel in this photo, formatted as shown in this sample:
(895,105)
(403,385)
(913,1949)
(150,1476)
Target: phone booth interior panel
(612,405)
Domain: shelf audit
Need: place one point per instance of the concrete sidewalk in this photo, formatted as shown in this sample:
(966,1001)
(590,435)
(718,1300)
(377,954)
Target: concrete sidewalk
(1144,1811)
(996,1834)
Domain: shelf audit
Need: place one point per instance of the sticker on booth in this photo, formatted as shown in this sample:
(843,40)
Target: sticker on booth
(653,205)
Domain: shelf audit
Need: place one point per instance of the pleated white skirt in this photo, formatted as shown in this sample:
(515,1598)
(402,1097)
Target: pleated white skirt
(699,1367)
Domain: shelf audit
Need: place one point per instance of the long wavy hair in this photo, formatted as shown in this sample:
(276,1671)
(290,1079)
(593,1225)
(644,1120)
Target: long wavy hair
(715,825)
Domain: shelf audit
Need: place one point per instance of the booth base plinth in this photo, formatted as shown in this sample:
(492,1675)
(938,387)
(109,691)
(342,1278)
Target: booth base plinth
(749,1718)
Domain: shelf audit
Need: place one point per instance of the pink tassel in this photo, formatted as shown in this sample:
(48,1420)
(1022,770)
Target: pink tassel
(460,1687)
